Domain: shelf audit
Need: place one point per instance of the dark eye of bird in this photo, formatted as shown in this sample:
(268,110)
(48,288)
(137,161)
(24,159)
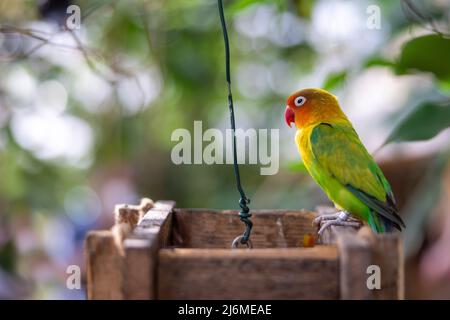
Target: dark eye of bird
(299,101)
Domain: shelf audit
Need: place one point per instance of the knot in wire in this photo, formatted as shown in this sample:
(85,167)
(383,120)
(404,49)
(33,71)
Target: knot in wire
(243,202)
(245,215)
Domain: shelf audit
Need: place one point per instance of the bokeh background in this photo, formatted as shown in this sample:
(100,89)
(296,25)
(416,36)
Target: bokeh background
(86,116)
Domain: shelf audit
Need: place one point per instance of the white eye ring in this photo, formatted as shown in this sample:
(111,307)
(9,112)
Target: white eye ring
(299,101)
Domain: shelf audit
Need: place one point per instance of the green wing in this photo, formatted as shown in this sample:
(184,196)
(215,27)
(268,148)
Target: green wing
(341,155)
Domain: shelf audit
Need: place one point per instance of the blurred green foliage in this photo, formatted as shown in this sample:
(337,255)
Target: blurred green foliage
(423,123)
(428,54)
(335,80)
(158,66)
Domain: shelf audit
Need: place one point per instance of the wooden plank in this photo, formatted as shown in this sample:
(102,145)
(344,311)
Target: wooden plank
(128,270)
(387,250)
(360,249)
(104,266)
(330,235)
(355,255)
(204,228)
(139,283)
(304,273)
(141,251)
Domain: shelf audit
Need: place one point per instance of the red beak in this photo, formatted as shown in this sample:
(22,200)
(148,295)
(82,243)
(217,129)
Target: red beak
(289,116)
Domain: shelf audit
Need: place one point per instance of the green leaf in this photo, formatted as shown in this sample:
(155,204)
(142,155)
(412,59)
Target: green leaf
(430,53)
(239,5)
(376,61)
(424,122)
(335,80)
(444,86)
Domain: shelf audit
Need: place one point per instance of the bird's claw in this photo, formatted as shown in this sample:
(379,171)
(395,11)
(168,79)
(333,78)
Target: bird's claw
(323,217)
(340,218)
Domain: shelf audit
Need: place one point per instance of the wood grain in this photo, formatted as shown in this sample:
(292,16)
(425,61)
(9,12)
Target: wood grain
(104,267)
(184,254)
(113,273)
(355,256)
(204,228)
(305,273)
(141,251)
(387,252)
(360,249)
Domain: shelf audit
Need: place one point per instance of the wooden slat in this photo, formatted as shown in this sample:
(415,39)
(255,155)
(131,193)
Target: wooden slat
(104,266)
(141,252)
(360,249)
(387,251)
(355,255)
(304,273)
(203,228)
(128,271)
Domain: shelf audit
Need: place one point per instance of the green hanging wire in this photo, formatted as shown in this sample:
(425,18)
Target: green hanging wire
(244,214)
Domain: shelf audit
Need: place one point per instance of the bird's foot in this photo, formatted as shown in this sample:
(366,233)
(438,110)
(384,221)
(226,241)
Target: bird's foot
(340,218)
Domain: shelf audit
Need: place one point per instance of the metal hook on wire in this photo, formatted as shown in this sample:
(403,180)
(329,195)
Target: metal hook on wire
(244,214)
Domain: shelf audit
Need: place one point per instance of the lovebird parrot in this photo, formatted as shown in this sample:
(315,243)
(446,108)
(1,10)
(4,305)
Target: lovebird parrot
(337,160)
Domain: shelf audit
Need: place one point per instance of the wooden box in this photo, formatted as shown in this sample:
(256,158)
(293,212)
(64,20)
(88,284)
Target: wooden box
(186,254)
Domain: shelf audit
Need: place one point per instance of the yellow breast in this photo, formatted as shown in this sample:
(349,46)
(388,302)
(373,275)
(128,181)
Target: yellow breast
(303,142)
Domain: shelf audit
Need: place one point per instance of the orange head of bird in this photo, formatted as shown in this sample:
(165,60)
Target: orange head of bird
(311,106)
